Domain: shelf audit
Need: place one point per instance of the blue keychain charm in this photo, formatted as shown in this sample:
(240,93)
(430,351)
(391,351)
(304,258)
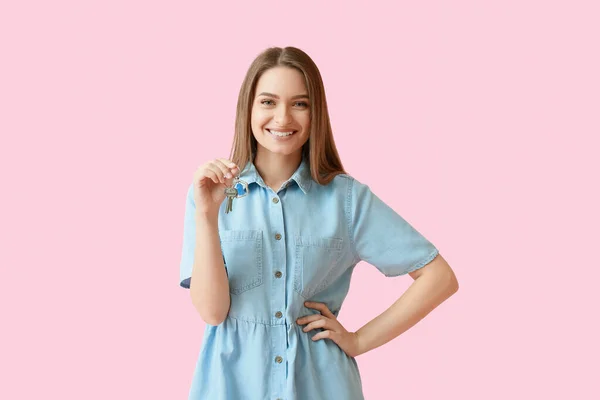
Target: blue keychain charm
(237,190)
(241,186)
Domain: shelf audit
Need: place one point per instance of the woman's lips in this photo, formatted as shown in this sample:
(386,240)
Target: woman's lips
(279,131)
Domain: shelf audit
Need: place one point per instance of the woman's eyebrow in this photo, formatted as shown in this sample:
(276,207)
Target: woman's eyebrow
(299,96)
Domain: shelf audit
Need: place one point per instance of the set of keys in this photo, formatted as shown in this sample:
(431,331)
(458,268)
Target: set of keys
(232,192)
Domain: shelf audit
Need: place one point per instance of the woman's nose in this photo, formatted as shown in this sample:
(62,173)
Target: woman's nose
(282,116)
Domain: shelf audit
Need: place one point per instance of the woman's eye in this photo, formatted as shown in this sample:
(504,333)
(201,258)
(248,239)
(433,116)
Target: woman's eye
(270,103)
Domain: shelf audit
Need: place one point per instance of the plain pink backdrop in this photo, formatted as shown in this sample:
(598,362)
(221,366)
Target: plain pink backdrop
(477,122)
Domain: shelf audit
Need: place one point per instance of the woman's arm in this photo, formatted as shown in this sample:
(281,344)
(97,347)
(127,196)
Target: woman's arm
(209,285)
(433,283)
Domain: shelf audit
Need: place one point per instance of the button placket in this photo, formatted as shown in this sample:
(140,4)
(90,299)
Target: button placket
(278,302)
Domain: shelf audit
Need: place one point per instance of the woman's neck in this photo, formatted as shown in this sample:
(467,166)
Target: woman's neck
(276,168)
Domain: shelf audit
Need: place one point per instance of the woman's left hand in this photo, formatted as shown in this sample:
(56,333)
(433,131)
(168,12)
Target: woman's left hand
(347,341)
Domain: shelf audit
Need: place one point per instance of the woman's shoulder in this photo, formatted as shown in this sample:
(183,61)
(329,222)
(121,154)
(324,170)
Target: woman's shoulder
(345,180)
(343,184)
(339,182)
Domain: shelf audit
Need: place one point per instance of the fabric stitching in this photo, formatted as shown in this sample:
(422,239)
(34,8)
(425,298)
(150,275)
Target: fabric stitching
(350,221)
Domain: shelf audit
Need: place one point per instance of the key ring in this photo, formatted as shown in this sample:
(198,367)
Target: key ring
(236,181)
(232,192)
(244,184)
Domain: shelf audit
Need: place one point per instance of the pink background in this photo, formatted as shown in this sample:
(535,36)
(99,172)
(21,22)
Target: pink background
(487,115)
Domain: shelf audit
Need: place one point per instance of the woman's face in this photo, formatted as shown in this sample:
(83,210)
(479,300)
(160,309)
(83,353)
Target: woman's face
(280,107)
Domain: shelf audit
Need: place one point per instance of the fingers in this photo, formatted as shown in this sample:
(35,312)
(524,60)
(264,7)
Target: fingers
(309,318)
(227,162)
(227,168)
(327,335)
(212,174)
(218,170)
(321,307)
(203,173)
(222,171)
(321,323)
(326,319)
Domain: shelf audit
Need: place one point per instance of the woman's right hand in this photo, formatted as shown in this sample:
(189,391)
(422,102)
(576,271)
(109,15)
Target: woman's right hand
(210,180)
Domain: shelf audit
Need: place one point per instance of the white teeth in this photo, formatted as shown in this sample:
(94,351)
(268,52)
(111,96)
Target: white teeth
(280,134)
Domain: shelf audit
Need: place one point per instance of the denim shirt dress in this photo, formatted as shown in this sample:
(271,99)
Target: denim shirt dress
(281,249)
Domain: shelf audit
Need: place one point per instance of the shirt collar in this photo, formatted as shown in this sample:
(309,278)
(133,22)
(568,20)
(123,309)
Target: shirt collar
(301,176)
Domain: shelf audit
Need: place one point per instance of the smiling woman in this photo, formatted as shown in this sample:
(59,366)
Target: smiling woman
(280,122)
(270,277)
(283,92)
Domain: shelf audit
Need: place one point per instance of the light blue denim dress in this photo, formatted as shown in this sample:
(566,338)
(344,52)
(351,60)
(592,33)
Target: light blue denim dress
(281,249)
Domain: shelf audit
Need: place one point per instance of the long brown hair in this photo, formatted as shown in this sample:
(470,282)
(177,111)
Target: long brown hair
(320,149)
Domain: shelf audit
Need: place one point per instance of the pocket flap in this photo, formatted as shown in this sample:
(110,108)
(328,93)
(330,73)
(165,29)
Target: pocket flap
(319,241)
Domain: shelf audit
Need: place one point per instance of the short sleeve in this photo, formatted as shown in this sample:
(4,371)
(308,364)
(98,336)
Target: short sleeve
(189,240)
(383,238)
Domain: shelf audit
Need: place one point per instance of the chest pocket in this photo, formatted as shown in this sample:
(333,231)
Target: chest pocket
(242,252)
(315,263)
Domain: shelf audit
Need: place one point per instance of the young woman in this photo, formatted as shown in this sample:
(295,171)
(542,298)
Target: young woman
(270,276)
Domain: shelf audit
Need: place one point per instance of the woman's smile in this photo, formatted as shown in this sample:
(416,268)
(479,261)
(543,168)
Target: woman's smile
(279,134)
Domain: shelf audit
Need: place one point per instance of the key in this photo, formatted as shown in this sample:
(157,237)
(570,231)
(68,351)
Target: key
(232,193)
